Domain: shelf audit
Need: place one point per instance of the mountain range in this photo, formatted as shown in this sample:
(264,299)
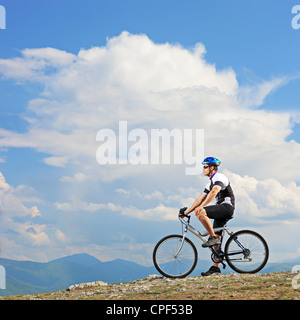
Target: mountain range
(27,277)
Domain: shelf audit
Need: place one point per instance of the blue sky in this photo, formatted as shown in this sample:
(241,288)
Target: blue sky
(71,68)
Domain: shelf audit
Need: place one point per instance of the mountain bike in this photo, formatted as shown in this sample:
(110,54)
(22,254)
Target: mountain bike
(175,256)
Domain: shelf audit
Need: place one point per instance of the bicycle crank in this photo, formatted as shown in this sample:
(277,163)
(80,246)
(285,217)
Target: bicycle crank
(218,259)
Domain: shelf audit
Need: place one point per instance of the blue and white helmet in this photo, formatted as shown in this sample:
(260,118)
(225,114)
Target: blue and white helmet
(211,160)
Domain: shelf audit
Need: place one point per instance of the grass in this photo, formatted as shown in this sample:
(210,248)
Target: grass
(272,286)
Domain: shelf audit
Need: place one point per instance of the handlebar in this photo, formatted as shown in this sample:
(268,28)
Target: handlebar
(182,215)
(181,211)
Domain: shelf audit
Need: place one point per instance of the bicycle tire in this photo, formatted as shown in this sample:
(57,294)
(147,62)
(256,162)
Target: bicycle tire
(243,263)
(175,267)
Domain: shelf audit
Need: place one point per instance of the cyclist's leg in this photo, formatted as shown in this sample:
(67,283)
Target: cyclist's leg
(218,223)
(204,219)
(217,212)
(220,214)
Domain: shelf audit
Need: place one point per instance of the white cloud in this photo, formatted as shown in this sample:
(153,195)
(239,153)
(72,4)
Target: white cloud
(257,201)
(79,206)
(21,228)
(151,86)
(34,63)
(78,177)
(154,195)
(60,236)
(159,213)
(10,203)
(3,185)
(260,200)
(19,221)
(56,161)
(253,96)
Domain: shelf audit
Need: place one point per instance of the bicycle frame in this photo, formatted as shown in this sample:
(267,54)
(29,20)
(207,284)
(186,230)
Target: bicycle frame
(197,233)
(219,253)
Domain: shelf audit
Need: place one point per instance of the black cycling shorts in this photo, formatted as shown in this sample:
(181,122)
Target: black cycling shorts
(221,213)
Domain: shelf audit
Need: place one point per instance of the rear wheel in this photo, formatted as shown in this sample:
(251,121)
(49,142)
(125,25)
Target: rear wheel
(246,251)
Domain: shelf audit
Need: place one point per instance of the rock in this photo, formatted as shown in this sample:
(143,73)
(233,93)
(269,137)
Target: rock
(87,284)
(154,276)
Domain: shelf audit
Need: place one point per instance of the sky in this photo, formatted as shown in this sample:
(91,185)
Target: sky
(73,71)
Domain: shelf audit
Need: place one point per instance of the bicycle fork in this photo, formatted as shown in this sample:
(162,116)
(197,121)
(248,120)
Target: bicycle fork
(181,245)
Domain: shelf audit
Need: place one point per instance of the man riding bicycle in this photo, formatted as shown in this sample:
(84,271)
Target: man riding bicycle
(219,187)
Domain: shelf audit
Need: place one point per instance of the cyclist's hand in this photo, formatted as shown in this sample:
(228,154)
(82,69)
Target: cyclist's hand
(181,212)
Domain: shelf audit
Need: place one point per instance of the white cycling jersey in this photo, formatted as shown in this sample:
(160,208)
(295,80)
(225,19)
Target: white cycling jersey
(226,194)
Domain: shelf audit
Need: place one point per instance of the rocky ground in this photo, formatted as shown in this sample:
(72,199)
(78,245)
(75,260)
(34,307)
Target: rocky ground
(268,286)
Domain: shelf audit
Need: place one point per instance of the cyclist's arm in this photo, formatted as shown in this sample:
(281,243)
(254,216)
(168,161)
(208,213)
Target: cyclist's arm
(197,203)
(210,197)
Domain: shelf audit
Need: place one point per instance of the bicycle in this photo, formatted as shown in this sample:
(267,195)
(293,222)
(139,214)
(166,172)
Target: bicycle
(175,256)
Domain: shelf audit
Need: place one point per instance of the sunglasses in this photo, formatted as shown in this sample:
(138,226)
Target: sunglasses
(205,167)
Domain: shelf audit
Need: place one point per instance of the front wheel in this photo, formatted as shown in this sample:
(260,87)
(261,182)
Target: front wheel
(246,251)
(173,262)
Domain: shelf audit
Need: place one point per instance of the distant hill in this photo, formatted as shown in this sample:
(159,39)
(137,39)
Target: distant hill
(27,277)
(281,267)
(81,258)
